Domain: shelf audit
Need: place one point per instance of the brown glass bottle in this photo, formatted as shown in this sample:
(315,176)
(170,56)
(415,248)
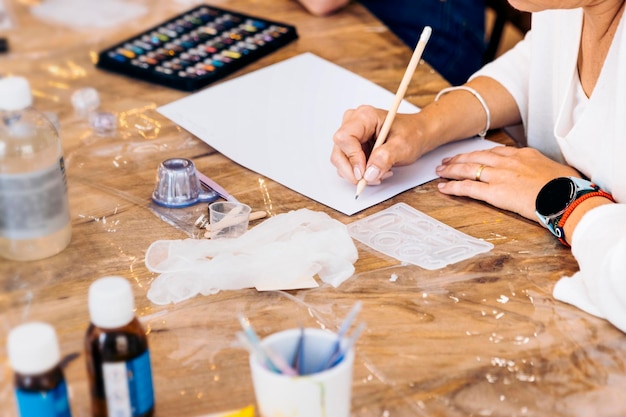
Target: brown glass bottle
(42,382)
(117,354)
(111,346)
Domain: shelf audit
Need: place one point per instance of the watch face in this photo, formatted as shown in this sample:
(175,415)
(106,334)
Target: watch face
(555,196)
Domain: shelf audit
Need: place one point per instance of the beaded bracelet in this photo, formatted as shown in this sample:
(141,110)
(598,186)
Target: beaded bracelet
(571,207)
(475,93)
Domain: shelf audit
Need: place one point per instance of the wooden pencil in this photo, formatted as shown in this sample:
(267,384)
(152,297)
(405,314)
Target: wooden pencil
(404,84)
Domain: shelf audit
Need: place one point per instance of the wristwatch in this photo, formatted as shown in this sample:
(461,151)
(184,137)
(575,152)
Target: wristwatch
(559,197)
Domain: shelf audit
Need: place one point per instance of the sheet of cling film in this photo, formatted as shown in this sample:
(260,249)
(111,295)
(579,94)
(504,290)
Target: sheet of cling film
(411,236)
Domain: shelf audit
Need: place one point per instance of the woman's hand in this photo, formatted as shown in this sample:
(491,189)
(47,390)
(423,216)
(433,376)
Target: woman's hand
(505,177)
(354,140)
(457,115)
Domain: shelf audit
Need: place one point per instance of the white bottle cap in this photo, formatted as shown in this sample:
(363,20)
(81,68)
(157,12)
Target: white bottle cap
(15,93)
(111,302)
(33,348)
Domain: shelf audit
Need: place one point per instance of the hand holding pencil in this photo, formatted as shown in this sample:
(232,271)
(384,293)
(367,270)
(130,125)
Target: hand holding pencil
(391,114)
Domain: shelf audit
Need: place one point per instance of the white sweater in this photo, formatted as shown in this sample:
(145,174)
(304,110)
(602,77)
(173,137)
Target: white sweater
(540,72)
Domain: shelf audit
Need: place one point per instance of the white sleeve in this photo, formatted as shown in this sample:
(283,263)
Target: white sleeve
(512,70)
(599,246)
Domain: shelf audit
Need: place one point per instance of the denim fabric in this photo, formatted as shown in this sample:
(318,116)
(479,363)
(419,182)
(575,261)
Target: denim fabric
(457,44)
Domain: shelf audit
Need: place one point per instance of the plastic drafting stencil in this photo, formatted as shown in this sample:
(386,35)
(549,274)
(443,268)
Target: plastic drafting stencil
(411,236)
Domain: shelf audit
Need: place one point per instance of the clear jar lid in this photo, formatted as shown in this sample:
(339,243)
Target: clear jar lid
(15,93)
(111,302)
(33,348)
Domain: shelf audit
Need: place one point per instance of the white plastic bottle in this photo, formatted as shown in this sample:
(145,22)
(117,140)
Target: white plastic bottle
(34,209)
(34,355)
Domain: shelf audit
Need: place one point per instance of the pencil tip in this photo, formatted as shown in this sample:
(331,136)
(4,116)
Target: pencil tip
(359,187)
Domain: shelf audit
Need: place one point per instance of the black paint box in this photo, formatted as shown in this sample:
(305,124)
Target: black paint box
(196,48)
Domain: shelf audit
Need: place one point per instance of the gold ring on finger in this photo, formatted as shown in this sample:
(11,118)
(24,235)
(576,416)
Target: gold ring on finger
(479,171)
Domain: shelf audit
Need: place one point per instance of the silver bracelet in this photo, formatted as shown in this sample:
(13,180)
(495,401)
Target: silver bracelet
(475,93)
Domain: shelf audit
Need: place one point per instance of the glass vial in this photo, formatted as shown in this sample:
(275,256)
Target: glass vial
(34,356)
(34,208)
(118,358)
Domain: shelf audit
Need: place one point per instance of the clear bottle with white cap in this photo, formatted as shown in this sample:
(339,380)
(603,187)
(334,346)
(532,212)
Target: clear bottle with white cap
(34,356)
(34,208)
(118,358)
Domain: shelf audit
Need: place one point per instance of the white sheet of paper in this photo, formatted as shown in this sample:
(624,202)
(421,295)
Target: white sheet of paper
(279,121)
(302,283)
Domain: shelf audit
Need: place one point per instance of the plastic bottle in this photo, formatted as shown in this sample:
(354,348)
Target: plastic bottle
(34,355)
(34,208)
(118,358)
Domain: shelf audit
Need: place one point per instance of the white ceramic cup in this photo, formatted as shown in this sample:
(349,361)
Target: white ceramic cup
(318,394)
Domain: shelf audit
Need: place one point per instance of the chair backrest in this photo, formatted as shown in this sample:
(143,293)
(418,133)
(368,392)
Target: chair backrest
(504,13)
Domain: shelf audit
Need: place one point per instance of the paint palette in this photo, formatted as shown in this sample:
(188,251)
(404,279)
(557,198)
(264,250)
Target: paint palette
(409,235)
(196,48)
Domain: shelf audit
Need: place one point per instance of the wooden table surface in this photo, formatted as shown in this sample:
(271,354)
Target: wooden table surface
(482,337)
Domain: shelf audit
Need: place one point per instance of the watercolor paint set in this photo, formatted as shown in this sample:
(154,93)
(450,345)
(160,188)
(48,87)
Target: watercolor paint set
(196,48)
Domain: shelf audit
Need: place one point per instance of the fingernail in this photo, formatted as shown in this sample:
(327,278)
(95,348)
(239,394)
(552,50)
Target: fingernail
(371,173)
(386,175)
(357,173)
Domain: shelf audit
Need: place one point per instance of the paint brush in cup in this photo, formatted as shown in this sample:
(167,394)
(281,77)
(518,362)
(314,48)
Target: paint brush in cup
(331,359)
(273,361)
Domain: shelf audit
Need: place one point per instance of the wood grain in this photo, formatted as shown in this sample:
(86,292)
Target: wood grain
(480,337)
